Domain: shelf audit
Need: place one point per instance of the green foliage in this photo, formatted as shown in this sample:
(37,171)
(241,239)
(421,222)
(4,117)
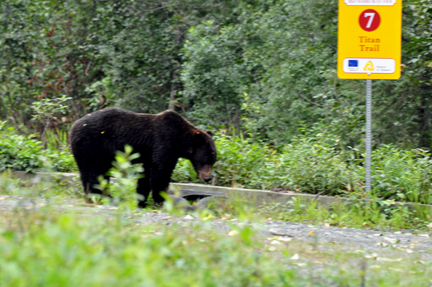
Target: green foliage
(49,49)
(97,52)
(213,74)
(309,164)
(48,109)
(184,171)
(19,152)
(239,160)
(266,68)
(316,163)
(125,175)
(57,160)
(56,139)
(312,163)
(277,61)
(296,83)
(98,252)
(45,246)
(402,175)
(404,107)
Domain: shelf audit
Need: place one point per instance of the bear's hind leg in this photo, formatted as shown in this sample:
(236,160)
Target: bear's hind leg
(163,165)
(90,179)
(143,189)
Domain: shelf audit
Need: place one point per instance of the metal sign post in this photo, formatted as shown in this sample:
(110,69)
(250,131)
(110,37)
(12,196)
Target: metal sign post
(368,134)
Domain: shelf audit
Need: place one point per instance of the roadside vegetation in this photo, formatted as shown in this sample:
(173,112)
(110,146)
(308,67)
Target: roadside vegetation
(44,248)
(312,163)
(44,245)
(360,211)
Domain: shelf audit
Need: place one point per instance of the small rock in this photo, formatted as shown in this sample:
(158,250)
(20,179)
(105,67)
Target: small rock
(391,240)
(285,239)
(382,244)
(275,232)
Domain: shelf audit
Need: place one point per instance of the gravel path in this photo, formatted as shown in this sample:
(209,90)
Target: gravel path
(349,239)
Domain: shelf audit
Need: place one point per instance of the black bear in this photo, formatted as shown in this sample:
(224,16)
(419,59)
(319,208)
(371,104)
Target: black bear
(159,139)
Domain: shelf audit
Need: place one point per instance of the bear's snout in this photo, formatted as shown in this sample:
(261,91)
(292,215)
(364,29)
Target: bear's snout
(205,173)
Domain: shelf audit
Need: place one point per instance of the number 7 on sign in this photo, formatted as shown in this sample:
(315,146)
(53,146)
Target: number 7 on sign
(371,17)
(369,20)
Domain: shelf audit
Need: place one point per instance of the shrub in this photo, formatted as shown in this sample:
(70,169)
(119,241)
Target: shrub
(313,165)
(239,161)
(19,152)
(316,164)
(309,164)
(403,175)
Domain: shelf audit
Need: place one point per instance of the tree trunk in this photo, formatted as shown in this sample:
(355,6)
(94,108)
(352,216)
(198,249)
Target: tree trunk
(424,122)
(172,99)
(171,105)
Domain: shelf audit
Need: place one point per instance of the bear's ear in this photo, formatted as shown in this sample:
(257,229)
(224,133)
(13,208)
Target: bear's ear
(198,137)
(209,133)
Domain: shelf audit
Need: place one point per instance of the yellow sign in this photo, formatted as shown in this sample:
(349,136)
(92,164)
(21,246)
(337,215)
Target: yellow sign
(369,39)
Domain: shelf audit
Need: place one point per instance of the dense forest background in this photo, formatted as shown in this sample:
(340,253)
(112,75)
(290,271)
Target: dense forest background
(264,68)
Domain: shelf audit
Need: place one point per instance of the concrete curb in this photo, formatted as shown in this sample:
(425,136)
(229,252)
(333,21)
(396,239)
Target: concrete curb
(252,196)
(259,197)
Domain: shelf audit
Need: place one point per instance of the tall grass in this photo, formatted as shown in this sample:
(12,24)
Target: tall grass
(57,139)
(316,164)
(374,214)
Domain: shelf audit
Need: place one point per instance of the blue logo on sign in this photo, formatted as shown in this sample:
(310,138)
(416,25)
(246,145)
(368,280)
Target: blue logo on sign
(353,63)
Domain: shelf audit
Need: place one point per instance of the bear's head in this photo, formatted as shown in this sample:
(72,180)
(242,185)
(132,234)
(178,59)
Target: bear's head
(204,154)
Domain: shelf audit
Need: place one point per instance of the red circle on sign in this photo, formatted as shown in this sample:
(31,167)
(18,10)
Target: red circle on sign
(369,20)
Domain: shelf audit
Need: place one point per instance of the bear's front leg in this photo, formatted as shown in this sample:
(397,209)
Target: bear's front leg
(159,181)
